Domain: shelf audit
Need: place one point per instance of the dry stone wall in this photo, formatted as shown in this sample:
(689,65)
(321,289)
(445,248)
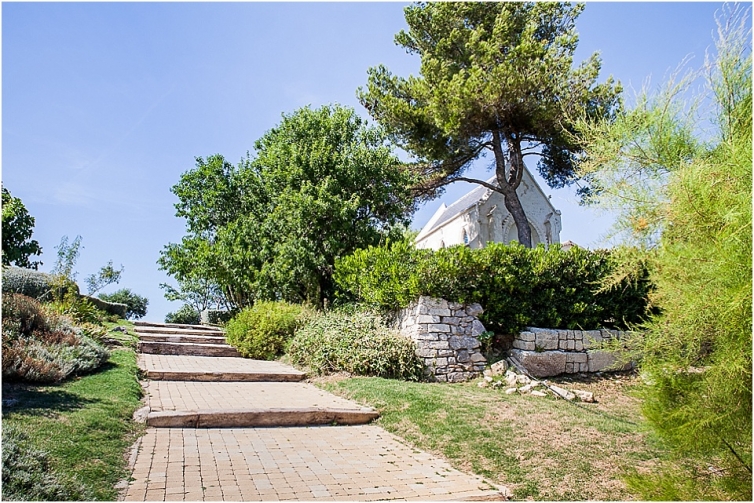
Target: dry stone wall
(547,352)
(446,336)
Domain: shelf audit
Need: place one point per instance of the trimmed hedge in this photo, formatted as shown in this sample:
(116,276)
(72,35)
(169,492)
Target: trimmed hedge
(517,286)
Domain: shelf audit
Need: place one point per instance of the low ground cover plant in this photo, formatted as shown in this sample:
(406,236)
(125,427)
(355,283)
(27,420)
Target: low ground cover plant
(354,341)
(515,285)
(40,345)
(263,330)
(67,441)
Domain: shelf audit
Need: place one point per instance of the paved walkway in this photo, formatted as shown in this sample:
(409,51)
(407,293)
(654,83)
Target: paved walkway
(355,463)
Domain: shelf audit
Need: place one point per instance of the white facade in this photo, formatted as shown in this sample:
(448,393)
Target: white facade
(481,217)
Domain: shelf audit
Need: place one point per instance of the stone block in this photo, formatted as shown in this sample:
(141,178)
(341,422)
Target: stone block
(562,345)
(436,344)
(604,360)
(546,340)
(571,344)
(526,336)
(458,377)
(477,328)
(441,378)
(438,327)
(569,368)
(576,357)
(451,360)
(424,352)
(563,335)
(450,320)
(499,368)
(445,352)
(441,362)
(526,346)
(474,309)
(478,358)
(462,356)
(427,318)
(545,364)
(592,339)
(439,311)
(578,345)
(570,335)
(562,392)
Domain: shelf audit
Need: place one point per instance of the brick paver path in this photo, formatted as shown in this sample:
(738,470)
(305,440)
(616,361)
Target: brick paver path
(356,463)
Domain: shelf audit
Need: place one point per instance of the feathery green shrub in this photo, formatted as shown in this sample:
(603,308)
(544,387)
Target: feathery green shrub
(357,342)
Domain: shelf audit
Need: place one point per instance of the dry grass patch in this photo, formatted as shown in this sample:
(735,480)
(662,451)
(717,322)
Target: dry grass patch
(541,448)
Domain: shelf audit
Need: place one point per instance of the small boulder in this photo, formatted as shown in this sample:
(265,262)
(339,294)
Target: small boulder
(537,393)
(499,368)
(584,396)
(483,384)
(510,391)
(524,389)
(522,379)
(562,392)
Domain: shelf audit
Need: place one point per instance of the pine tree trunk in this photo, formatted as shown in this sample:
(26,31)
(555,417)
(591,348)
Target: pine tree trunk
(509,176)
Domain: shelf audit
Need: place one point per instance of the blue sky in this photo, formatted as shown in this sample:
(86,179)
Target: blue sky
(104,105)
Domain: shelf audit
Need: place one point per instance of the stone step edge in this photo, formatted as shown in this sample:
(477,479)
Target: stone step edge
(208,328)
(185,344)
(197,339)
(238,418)
(176,331)
(176,375)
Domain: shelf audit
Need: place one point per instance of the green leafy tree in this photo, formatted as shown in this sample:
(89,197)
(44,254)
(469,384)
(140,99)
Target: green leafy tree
(687,199)
(185,315)
(18,227)
(137,305)
(496,79)
(323,183)
(107,275)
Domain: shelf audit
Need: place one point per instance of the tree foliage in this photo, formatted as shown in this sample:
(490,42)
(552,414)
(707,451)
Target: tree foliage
(323,183)
(496,78)
(18,227)
(107,275)
(694,195)
(137,305)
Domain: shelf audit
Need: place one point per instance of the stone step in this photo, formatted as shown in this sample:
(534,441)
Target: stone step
(187,348)
(198,339)
(247,404)
(160,367)
(206,328)
(178,331)
(236,418)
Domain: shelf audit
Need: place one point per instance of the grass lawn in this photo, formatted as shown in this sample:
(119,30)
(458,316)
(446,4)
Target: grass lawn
(84,423)
(541,448)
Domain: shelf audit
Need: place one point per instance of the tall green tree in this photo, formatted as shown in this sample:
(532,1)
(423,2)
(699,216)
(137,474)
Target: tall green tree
(18,227)
(323,183)
(685,195)
(496,79)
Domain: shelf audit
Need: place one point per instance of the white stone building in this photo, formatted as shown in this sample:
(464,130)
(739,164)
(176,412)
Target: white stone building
(481,217)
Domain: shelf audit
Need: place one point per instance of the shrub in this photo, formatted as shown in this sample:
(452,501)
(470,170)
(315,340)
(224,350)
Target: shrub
(516,286)
(186,315)
(261,331)
(27,473)
(35,284)
(357,342)
(41,346)
(136,305)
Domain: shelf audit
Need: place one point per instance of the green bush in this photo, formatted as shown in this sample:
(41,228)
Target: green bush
(356,342)
(136,305)
(186,315)
(27,474)
(261,331)
(517,286)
